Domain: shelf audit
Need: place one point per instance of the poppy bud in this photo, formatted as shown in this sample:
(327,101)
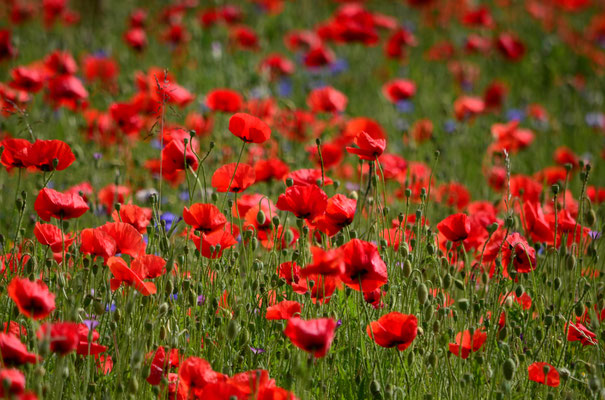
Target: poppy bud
(447,281)
(163,309)
(353,234)
(463,304)
(162,332)
(117,315)
(404,250)
(555,189)
(508,368)
(254,243)
(436,326)
(19,204)
(261,218)
(289,182)
(169,289)
(459,284)
(422,293)
(214,197)
(418,215)
(579,309)
(375,388)
(428,313)
(557,283)
(408,192)
(590,217)
(232,329)
(491,228)
(519,291)
(407,268)
(430,249)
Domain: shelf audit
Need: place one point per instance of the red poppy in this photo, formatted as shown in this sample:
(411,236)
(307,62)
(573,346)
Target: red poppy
(67,91)
(422,130)
(225,100)
(535,223)
(290,272)
(319,56)
(249,128)
(277,65)
(453,194)
(364,268)
(127,239)
(204,217)
(43,153)
(455,228)
(97,242)
(564,155)
(520,253)
(196,373)
(465,344)
(52,204)
(478,17)
(494,95)
(136,38)
(63,336)
(325,262)
(50,235)
(202,125)
(510,46)
(86,347)
(100,67)
(28,79)
(327,99)
(13,383)
(398,90)
(138,217)
(273,168)
(233,177)
(213,244)
(285,309)
(14,352)
(543,373)
(308,176)
(33,299)
(148,266)
(123,274)
(306,202)
(15,153)
(156,370)
(7,50)
(314,336)
(394,329)
(14,328)
(244,37)
(340,212)
(579,333)
(111,194)
(126,117)
(467,107)
(368,148)
(177,157)
(396,44)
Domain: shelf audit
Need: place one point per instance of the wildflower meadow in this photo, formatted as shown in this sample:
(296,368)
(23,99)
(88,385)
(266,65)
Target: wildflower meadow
(302,199)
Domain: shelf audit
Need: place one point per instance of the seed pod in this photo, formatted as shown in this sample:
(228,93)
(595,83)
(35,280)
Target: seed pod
(508,368)
(422,293)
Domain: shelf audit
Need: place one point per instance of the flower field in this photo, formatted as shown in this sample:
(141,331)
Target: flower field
(302,199)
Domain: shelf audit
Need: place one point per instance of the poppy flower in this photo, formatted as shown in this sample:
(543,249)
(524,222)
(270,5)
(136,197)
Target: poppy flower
(465,344)
(319,56)
(510,46)
(285,309)
(123,274)
(543,373)
(127,239)
(225,100)
(177,157)
(97,242)
(579,333)
(13,383)
(394,329)
(148,266)
(305,202)
(325,262)
(67,91)
(111,194)
(308,176)
(233,177)
(43,153)
(138,217)
(156,370)
(467,107)
(364,268)
(273,168)
(28,79)
(327,99)
(535,223)
(7,50)
(520,253)
(564,155)
(100,67)
(398,90)
(277,65)
(86,347)
(33,299)
(340,212)
(63,336)
(52,204)
(395,45)
(456,227)
(204,217)
(314,336)
(422,130)
(213,244)
(244,37)
(14,352)
(368,148)
(453,194)
(15,153)
(196,373)
(290,272)
(249,128)
(136,38)
(50,235)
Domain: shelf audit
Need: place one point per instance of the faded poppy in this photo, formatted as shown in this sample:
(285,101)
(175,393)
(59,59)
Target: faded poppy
(305,202)
(364,268)
(33,299)
(249,128)
(394,329)
(543,373)
(233,178)
(314,336)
